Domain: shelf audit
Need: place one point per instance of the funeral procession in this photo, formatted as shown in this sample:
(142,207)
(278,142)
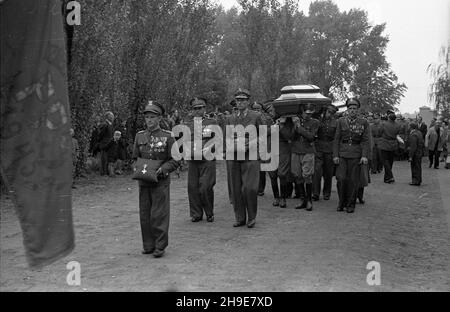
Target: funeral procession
(224,146)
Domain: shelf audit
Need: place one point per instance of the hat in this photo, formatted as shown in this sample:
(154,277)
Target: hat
(242,94)
(309,109)
(154,107)
(332,108)
(353,101)
(197,102)
(257,106)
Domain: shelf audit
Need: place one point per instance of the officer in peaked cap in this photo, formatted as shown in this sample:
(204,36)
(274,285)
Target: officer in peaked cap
(201,172)
(242,94)
(154,108)
(324,166)
(244,174)
(154,202)
(350,149)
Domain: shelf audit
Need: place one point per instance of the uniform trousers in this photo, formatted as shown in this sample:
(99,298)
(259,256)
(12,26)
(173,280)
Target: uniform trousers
(154,213)
(285,175)
(273,175)
(388,161)
(324,167)
(245,181)
(201,181)
(262,182)
(229,186)
(347,175)
(377,162)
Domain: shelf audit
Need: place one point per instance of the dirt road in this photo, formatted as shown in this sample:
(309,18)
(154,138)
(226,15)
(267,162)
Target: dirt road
(404,228)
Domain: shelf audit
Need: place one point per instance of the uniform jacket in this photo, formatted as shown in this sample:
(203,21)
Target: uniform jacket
(155,145)
(206,134)
(376,133)
(246,118)
(388,140)
(352,138)
(432,137)
(304,136)
(416,144)
(325,135)
(286,137)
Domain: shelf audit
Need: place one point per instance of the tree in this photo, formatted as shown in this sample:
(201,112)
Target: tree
(439,90)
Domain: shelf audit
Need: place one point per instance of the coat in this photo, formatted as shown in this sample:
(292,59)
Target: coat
(432,137)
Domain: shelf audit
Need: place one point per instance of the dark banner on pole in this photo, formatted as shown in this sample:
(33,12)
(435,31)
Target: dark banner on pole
(36,159)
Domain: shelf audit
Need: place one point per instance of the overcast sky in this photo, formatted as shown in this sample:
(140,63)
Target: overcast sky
(416,29)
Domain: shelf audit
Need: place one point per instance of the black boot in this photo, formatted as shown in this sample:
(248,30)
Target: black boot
(300,191)
(301,188)
(309,205)
(361,195)
(289,189)
(342,204)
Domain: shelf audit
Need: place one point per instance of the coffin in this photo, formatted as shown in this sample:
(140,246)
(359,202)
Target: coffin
(293,100)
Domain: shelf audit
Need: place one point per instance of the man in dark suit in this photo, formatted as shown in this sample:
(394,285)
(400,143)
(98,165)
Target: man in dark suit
(104,139)
(416,144)
(422,127)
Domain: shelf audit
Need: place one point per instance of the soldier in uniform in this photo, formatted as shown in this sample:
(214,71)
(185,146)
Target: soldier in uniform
(416,145)
(350,149)
(262,174)
(286,135)
(268,113)
(324,164)
(388,145)
(365,175)
(375,127)
(302,158)
(154,205)
(244,174)
(201,173)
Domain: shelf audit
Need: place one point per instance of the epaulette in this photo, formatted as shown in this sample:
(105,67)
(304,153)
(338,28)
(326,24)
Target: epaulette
(142,131)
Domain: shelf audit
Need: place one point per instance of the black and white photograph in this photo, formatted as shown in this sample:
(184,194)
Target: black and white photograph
(225,151)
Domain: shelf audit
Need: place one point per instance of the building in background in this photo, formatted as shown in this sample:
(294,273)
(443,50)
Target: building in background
(427,114)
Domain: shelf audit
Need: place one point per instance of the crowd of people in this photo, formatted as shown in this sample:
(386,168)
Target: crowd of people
(314,147)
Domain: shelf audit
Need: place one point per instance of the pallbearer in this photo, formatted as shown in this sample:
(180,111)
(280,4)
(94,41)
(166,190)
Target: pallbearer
(302,158)
(286,135)
(324,154)
(350,149)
